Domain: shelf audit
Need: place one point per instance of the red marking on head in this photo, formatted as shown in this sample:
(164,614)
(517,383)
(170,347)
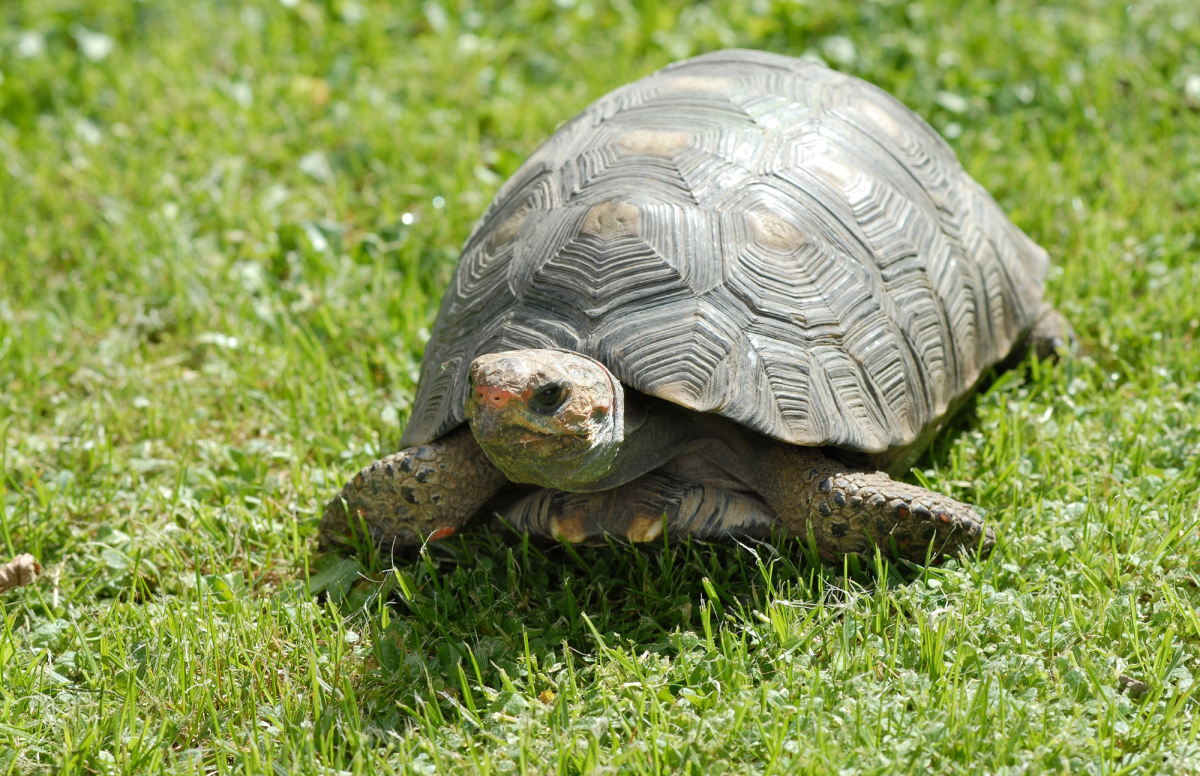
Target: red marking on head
(493,397)
(442,533)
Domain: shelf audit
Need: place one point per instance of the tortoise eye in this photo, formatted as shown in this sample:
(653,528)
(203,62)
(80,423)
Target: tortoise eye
(548,398)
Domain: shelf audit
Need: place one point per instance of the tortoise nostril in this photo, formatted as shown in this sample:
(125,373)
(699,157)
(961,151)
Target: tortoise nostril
(497,397)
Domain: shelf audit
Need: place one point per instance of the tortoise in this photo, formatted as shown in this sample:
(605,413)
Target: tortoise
(735,297)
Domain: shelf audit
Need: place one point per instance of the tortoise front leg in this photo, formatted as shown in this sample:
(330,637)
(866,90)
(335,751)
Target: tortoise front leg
(848,511)
(419,494)
(638,510)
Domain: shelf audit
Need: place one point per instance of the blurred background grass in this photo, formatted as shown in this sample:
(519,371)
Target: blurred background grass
(224,232)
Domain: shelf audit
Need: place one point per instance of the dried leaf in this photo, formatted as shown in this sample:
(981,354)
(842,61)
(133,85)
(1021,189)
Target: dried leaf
(18,572)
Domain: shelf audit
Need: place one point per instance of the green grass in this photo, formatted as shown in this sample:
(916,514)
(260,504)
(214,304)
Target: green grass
(221,250)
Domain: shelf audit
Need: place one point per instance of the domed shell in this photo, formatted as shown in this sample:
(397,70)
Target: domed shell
(752,235)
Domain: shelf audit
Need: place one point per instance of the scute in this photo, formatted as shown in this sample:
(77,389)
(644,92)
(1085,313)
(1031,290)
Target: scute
(753,235)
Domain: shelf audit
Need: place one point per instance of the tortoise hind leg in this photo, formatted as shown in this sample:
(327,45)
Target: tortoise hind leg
(419,494)
(1052,334)
(1051,337)
(638,510)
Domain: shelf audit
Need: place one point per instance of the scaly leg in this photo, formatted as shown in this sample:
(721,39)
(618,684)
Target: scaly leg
(848,510)
(418,494)
(635,512)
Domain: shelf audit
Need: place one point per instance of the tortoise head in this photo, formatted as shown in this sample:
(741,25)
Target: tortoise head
(549,417)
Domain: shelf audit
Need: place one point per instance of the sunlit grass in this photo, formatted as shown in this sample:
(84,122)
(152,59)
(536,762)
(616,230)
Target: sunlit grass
(224,232)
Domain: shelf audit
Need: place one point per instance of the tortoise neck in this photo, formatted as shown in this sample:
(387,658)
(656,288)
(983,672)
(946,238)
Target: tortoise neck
(657,431)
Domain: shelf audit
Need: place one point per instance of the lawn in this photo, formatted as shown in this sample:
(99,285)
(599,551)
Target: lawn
(224,232)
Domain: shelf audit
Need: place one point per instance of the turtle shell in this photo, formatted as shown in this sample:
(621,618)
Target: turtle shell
(752,235)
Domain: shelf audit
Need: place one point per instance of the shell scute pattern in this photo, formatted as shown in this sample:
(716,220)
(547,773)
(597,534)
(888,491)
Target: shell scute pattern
(747,234)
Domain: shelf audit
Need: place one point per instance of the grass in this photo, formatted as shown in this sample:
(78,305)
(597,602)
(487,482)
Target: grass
(224,230)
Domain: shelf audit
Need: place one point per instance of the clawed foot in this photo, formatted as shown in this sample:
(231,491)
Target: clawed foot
(419,494)
(640,511)
(849,512)
(859,510)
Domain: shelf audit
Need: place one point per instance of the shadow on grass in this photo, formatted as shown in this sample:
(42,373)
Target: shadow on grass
(495,614)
